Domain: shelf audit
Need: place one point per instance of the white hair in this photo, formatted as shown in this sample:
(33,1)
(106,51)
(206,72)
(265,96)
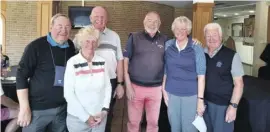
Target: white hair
(213,26)
(57,16)
(83,34)
(182,19)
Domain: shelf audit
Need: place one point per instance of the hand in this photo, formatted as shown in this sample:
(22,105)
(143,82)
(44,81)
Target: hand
(24,117)
(91,121)
(165,97)
(200,107)
(4,72)
(196,41)
(119,91)
(130,92)
(230,114)
(99,117)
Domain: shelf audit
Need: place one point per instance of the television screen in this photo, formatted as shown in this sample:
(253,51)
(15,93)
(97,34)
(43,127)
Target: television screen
(79,16)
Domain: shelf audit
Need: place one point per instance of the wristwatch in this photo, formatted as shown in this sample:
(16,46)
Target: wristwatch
(234,105)
(121,83)
(105,109)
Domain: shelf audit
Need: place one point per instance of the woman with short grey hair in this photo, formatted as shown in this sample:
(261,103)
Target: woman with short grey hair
(184,80)
(87,87)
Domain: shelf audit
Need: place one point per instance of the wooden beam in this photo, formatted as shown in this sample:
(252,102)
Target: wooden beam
(44,14)
(202,15)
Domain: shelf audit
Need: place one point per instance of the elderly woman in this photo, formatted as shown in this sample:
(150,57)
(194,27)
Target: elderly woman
(87,87)
(184,80)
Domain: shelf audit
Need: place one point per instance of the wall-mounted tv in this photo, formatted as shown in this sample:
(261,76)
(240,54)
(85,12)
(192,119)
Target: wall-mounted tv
(79,16)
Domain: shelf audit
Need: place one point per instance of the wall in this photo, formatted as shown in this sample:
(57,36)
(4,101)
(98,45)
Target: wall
(245,52)
(188,12)
(127,16)
(21,23)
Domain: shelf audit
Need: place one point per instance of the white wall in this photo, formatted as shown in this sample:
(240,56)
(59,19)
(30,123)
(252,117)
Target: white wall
(245,52)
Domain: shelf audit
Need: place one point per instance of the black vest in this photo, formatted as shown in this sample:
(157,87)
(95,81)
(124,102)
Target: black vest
(146,67)
(219,81)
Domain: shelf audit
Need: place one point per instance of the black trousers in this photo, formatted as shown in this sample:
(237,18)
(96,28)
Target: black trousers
(113,100)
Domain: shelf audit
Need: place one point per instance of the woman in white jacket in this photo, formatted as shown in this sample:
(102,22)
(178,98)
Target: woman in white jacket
(87,87)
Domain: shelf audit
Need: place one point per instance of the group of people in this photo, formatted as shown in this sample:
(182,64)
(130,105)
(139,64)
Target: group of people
(60,89)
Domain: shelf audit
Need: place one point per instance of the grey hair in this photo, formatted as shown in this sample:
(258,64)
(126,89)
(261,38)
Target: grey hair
(182,19)
(56,16)
(84,33)
(213,26)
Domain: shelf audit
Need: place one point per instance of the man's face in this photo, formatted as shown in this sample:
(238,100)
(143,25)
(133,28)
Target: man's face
(151,23)
(99,18)
(60,29)
(213,38)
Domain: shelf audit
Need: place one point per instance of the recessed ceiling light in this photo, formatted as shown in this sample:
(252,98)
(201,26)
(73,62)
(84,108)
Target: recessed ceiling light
(236,13)
(251,11)
(224,15)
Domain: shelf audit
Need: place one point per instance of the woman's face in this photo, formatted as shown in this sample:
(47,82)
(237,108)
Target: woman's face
(89,44)
(180,31)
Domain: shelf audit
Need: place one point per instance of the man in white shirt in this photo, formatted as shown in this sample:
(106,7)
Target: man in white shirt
(110,50)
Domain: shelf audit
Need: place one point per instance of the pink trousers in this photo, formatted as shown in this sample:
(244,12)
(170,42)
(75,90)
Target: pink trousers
(148,99)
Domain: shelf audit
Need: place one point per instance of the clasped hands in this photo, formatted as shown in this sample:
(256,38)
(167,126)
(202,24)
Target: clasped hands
(97,119)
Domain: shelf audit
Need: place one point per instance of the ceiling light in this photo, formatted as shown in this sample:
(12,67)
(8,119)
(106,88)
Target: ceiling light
(251,11)
(215,17)
(236,13)
(224,15)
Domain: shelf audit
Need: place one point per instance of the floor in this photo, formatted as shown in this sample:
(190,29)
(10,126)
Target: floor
(119,123)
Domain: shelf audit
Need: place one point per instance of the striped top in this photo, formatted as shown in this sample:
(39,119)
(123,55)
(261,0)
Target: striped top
(86,90)
(110,49)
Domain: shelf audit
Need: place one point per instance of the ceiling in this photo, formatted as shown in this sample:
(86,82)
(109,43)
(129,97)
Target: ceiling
(221,9)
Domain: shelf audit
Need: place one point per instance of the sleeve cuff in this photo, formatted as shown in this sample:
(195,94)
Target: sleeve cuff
(84,118)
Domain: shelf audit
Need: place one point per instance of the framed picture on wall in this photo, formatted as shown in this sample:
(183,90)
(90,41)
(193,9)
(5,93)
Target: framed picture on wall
(237,30)
(249,26)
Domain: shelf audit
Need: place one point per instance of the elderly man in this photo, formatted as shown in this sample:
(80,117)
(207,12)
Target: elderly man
(144,70)
(40,79)
(224,83)
(110,50)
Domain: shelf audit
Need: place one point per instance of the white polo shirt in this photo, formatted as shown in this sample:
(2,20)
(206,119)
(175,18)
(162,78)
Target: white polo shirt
(110,49)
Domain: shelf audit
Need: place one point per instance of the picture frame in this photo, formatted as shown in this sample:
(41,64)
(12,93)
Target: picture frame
(249,26)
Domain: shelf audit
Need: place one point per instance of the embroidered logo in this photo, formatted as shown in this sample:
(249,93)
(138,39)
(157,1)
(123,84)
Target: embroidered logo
(219,64)
(160,46)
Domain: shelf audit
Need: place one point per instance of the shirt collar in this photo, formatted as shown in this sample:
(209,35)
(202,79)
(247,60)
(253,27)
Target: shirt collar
(187,45)
(149,37)
(105,31)
(53,43)
(215,51)
(82,58)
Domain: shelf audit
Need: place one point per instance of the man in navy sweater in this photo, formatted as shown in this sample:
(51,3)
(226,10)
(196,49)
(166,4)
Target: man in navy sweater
(40,79)
(224,83)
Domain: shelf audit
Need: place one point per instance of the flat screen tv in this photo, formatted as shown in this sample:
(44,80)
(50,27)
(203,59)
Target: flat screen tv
(79,16)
